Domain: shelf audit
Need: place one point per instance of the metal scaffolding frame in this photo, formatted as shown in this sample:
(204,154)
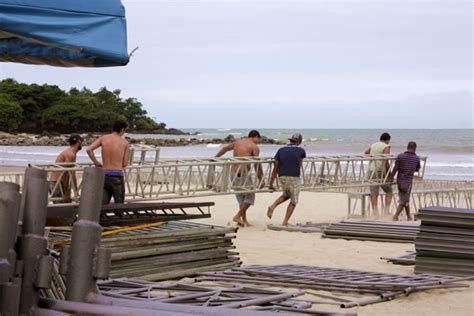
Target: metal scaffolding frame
(370,287)
(136,213)
(169,179)
(26,268)
(457,194)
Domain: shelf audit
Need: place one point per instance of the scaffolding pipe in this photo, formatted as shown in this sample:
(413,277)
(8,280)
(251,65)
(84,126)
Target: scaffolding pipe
(11,192)
(32,244)
(95,309)
(30,173)
(85,238)
(176,308)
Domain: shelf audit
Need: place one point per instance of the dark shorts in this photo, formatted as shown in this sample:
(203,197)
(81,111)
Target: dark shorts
(113,186)
(404,194)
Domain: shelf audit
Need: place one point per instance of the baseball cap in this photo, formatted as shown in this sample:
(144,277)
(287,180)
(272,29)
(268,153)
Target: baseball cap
(74,138)
(296,138)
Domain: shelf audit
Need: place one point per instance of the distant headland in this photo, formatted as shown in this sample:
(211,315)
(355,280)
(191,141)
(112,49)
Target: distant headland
(47,109)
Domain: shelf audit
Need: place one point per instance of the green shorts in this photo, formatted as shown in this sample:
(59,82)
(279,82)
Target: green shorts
(291,188)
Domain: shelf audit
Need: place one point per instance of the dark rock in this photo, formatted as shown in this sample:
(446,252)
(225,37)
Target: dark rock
(229,139)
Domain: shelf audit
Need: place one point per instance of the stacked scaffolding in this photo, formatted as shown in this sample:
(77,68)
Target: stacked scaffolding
(445,243)
(372,230)
(166,251)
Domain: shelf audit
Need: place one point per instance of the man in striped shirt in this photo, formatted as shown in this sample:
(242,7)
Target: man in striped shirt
(406,165)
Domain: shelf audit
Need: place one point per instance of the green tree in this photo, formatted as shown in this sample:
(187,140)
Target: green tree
(47,107)
(10,113)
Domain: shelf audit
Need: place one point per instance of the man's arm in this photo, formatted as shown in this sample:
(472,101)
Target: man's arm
(367,152)
(258,168)
(276,168)
(386,151)
(394,171)
(303,156)
(90,151)
(225,149)
(126,156)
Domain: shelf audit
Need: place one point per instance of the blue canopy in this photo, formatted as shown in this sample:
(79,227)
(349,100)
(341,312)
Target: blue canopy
(65,33)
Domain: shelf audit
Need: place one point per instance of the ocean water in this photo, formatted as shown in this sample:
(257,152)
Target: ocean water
(450,152)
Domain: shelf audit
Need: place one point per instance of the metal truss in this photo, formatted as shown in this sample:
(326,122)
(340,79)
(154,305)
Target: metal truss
(380,287)
(169,179)
(459,196)
(117,214)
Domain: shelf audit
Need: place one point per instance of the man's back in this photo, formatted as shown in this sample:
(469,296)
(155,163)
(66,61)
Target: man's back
(290,160)
(378,148)
(245,147)
(407,164)
(114,152)
(67,155)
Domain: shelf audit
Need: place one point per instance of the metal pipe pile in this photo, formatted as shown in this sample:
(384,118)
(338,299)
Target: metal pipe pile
(372,231)
(308,227)
(369,286)
(445,243)
(406,260)
(172,250)
(210,295)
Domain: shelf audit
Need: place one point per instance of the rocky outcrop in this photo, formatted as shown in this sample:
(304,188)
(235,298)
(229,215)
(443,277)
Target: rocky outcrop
(47,139)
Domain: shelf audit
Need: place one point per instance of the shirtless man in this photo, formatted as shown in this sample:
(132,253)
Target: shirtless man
(115,158)
(67,155)
(245,147)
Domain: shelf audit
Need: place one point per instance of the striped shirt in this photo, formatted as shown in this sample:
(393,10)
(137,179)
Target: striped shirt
(407,164)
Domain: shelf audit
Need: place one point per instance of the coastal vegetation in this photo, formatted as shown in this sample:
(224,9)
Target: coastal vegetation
(34,108)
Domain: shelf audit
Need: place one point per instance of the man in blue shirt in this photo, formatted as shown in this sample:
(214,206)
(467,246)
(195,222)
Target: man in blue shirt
(288,161)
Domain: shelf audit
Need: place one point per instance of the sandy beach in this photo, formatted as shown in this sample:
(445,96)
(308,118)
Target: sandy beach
(259,245)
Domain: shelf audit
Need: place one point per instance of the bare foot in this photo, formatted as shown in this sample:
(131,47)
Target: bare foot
(395,219)
(239,221)
(270,211)
(285,224)
(247,224)
(409,218)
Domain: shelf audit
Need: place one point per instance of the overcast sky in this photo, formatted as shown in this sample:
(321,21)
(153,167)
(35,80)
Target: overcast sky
(291,64)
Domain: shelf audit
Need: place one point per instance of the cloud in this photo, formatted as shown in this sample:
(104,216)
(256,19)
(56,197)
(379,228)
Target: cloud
(245,63)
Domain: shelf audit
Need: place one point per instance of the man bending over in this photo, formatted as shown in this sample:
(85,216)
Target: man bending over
(244,147)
